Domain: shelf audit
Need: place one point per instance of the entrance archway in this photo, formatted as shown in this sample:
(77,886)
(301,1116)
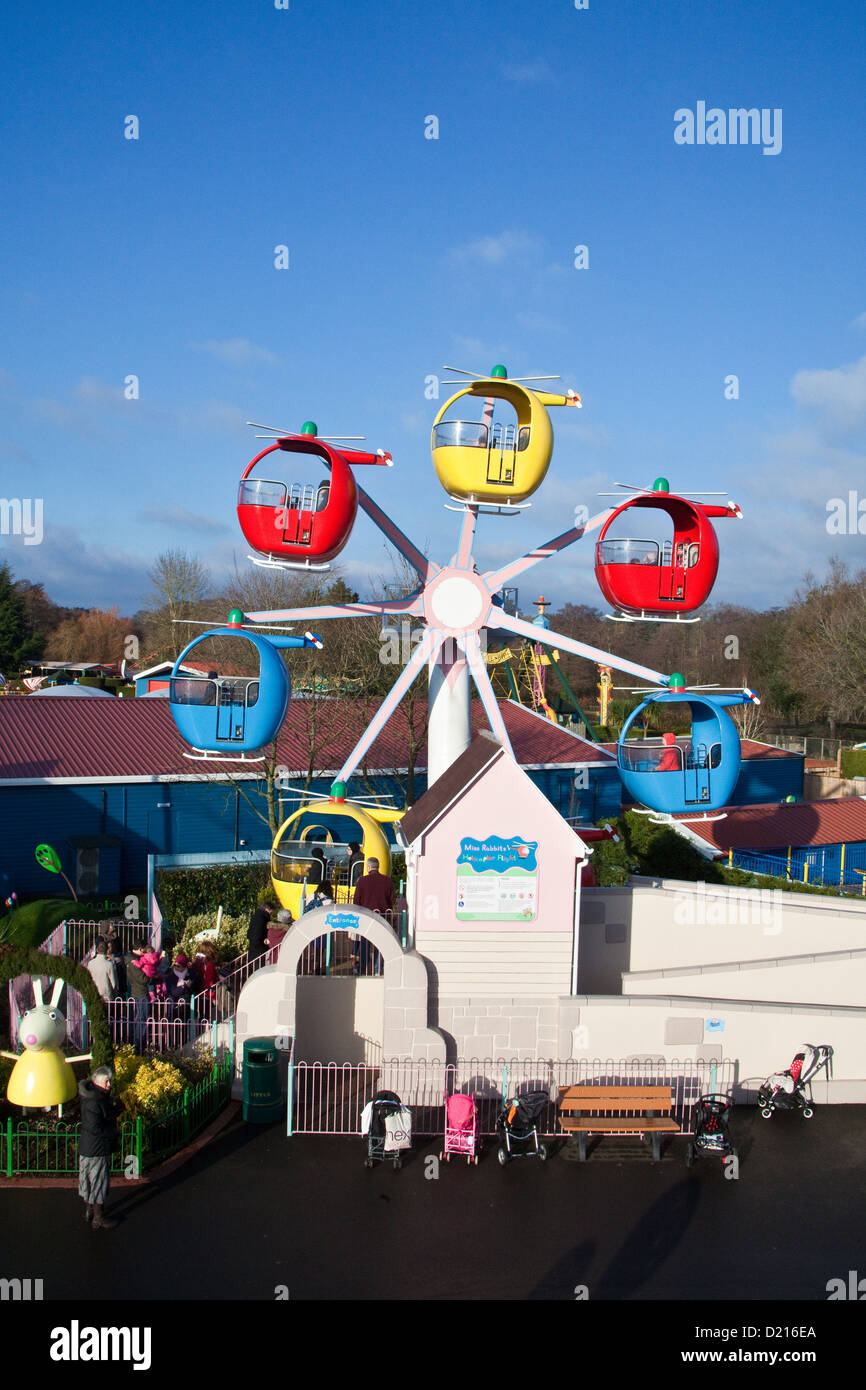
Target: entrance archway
(268,1005)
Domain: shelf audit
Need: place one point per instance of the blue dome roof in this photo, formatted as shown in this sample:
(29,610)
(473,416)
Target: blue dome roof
(74,689)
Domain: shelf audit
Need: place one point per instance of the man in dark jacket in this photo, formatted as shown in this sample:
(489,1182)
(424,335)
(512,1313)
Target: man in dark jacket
(258,931)
(95,1141)
(375,891)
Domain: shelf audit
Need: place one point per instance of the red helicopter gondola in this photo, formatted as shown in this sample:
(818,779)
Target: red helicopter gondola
(302,525)
(649,580)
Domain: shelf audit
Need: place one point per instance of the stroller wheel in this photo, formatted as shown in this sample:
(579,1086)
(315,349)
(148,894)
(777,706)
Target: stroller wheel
(398,1164)
(542,1152)
(690,1156)
(475,1160)
(368,1163)
(502,1156)
(766,1112)
(808,1112)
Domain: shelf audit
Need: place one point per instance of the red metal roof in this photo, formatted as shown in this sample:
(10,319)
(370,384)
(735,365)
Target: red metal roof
(774,825)
(138,738)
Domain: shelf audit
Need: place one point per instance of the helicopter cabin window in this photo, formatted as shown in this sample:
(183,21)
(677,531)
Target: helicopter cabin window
(261,492)
(687,555)
(302,497)
(522,438)
(461,433)
(322,495)
(292,863)
(193,690)
(628,552)
(239,692)
(716,755)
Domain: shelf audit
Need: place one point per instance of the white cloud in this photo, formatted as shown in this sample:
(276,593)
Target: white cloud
(181,516)
(508,245)
(533,322)
(839,394)
(537,70)
(859,322)
(237,352)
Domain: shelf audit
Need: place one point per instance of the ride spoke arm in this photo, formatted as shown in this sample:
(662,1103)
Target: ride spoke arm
(471,647)
(427,647)
(568,644)
(424,568)
(412,605)
(467,535)
(496,578)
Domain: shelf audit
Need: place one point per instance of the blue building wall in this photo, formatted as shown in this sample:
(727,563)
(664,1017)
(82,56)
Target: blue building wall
(185,817)
(768,779)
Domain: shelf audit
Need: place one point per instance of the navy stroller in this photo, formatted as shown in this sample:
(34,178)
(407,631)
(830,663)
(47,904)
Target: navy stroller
(517,1127)
(711,1129)
(787,1090)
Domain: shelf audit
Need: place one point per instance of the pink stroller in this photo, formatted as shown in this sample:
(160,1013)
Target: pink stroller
(461,1128)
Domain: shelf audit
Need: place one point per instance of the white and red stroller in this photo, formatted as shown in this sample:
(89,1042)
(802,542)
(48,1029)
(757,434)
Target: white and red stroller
(792,1089)
(461,1128)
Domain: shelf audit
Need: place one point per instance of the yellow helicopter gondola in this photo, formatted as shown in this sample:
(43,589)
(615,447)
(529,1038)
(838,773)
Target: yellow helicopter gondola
(498,464)
(332,825)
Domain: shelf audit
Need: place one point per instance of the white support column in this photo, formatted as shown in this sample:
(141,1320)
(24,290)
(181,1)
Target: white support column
(448,729)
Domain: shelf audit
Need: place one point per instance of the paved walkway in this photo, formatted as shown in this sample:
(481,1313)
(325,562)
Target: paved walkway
(255,1210)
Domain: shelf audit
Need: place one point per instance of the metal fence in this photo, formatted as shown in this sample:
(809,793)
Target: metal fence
(339,953)
(823,866)
(77,938)
(167,1025)
(328,1098)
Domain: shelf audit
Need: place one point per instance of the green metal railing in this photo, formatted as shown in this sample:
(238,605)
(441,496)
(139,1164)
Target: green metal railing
(30,1146)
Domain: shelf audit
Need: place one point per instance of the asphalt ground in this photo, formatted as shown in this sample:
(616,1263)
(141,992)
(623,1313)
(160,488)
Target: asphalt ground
(257,1216)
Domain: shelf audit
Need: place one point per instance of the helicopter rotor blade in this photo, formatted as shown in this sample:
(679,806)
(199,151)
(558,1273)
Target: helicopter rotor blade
(257,425)
(557,377)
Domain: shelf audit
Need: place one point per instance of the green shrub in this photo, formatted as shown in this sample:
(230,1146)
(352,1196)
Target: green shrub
(31,923)
(185,893)
(232,940)
(155,1090)
(854,762)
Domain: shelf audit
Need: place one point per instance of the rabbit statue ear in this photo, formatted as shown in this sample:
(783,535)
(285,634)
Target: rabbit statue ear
(37,992)
(56,992)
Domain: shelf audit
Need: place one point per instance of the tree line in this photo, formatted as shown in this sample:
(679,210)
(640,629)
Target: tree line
(807,660)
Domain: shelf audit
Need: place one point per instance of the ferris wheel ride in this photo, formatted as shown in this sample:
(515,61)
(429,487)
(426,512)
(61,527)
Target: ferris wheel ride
(487,470)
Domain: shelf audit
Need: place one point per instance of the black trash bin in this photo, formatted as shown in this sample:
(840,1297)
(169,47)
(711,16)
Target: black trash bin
(263,1102)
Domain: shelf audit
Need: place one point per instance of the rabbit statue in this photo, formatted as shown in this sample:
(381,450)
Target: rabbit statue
(42,1075)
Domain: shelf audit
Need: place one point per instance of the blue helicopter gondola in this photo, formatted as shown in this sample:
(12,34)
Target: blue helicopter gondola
(226,717)
(675,776)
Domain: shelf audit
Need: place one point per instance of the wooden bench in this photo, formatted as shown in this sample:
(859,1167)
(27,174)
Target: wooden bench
(625,1110)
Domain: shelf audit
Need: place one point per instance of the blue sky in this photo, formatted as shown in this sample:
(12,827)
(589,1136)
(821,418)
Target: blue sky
(306,127)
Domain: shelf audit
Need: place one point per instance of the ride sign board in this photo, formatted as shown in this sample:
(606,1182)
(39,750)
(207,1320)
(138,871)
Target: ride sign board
(497,880)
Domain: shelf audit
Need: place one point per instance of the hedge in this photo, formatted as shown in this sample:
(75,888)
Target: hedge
(187,893)
(854,762)
(19,961)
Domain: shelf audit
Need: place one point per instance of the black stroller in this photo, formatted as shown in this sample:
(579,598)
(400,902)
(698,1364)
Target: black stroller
(387,1124)
(517,1127)
(787,1090)
(711,1129)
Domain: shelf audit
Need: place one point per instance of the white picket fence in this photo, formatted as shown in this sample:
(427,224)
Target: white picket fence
(328,1098)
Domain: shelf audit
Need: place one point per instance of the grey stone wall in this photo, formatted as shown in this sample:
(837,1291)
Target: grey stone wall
(524,1028)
